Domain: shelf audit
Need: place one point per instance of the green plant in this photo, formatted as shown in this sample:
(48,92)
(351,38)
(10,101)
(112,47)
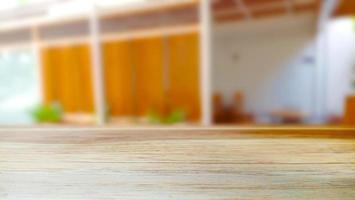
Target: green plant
(47,113)
(153,117)
(174,117)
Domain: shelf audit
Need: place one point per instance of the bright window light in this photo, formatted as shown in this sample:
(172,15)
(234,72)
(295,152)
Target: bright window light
(106,3)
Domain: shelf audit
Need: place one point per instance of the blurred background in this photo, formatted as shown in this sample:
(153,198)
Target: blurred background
(183,62)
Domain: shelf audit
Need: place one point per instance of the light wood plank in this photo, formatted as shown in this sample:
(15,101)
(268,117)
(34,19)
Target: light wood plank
(177,164)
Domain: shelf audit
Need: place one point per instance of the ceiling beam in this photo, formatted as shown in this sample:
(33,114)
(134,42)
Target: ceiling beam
(289,6)
(345,8)
(243,8)
(263,8)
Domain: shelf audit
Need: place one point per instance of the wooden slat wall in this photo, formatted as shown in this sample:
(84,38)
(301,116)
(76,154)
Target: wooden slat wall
(148,67)
(49,78)
(119,78)
(67,77)
(68,74)
(184,74)
(86,98)
(158,74)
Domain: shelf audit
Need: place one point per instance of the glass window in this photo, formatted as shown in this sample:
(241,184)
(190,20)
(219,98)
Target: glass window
(19,86)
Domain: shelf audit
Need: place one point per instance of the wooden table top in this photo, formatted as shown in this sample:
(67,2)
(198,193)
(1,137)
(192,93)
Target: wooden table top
(160,164)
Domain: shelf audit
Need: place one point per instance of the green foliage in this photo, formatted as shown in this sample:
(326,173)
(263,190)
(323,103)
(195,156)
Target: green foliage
(154,117)
(174,117)
(47,113)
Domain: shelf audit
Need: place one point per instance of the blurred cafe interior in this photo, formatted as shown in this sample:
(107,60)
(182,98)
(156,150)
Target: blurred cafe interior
(177,62)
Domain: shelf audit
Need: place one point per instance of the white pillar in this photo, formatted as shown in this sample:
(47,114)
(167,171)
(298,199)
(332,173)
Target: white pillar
(97,69)
(206,61)
(38,60)
(320,103)
(321,108)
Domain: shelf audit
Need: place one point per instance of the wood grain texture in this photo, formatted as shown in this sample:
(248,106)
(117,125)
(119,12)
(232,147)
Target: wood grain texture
(67,77)
(50,91)
(119,77)
(159,74)
(84,79)
(184,92)
(177,164)
(148,64)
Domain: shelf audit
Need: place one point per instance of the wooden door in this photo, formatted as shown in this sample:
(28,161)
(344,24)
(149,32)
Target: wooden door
(83,78)
(184,74)
(67,77)
(148,68)
(49,76)
(118,70)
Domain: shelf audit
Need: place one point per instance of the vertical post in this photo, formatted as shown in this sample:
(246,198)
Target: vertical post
(205,61)
(97,72)
(327,8)
(38,61)
(320,81)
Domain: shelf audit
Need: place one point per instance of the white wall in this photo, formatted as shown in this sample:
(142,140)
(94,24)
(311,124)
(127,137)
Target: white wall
(271,60)
(340,62)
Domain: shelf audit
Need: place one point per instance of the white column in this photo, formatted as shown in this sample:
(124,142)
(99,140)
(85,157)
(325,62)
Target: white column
(321,108)
(97,69)
(320,103)
(206,61)
(38,60)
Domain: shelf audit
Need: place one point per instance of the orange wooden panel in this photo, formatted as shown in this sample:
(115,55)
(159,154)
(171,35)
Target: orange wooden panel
(184,74)
(84,79)
(67,77)
(148,67)
(118,70)
(68,73)
(58,66)
(49,78)
(349,118)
